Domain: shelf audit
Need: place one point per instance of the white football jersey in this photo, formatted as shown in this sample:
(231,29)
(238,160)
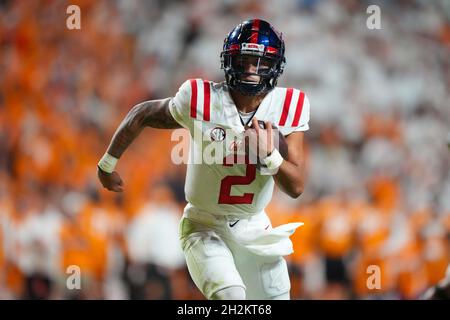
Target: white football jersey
(207,110)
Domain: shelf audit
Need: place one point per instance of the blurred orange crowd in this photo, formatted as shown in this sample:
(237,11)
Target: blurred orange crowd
(62,94)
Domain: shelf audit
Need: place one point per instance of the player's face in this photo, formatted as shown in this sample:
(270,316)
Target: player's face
(251,66)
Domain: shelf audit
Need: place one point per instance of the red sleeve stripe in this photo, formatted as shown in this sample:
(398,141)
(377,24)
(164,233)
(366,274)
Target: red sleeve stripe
(298,109)
(255,31)
(193,98)
(206,100)
(286,105)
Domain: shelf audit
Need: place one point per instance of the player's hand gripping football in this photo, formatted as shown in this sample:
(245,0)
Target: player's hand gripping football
(110,181)
(260,140)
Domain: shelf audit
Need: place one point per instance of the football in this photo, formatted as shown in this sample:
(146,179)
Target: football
(280,141)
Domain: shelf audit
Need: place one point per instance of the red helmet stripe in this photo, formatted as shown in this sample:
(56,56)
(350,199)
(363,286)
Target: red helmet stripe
(255,30)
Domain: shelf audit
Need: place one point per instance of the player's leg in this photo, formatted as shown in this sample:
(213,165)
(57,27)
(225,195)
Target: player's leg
(211,266)
(283,296)
(265,278)
(230,293)
(270,279)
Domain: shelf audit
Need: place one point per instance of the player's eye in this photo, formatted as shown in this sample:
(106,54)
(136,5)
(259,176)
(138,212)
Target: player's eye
(249,60)
(261,64)
(265,64)
(245,61)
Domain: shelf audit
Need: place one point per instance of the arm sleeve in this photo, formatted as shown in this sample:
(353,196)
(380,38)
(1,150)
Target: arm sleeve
(180,106)
(304,119)
(303,122)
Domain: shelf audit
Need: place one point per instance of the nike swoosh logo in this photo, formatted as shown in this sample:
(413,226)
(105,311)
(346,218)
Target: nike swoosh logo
(233,224)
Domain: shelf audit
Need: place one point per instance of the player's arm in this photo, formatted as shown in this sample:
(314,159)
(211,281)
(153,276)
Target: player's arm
(153,113)
(291,174)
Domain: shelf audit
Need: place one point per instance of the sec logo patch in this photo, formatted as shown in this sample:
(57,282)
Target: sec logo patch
(218,134)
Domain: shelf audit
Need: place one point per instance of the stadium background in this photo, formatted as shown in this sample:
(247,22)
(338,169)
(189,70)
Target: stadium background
(378,189)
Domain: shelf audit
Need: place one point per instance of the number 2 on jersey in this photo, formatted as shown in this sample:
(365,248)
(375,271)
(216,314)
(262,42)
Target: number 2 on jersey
(225,196)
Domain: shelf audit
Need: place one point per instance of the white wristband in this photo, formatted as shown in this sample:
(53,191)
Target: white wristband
(272,163)
(107,163)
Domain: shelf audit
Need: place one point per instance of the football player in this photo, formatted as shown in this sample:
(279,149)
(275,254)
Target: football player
(231,249)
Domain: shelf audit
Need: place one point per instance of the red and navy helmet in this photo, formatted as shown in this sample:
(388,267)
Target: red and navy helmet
(258,40)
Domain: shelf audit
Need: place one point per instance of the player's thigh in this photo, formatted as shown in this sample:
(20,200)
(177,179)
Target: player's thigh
(264,277)
(210,263)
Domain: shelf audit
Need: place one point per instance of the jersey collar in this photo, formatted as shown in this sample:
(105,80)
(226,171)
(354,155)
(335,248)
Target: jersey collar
(261,113)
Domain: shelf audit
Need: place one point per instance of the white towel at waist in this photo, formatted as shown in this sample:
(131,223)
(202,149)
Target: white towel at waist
(255,233)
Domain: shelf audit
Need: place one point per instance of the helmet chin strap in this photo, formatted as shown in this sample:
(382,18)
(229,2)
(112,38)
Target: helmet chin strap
(248,88)
(251,89)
